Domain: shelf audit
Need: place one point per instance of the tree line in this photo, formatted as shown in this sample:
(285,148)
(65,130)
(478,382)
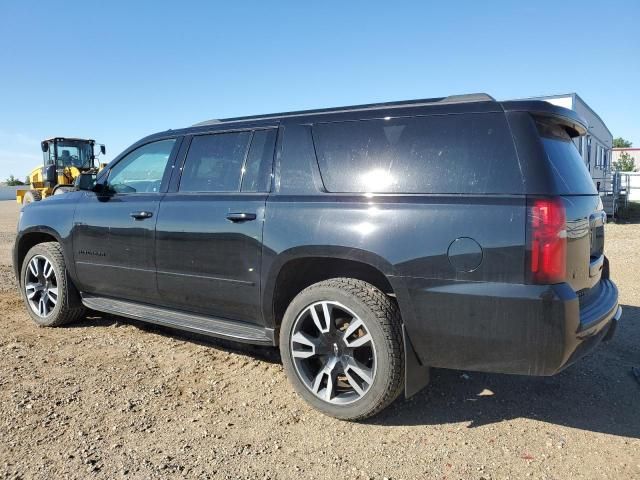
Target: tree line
(626,163)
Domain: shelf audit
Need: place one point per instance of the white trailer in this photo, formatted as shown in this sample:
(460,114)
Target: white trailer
(595,147)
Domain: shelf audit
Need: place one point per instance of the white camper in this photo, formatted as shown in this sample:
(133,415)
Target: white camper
(595,147)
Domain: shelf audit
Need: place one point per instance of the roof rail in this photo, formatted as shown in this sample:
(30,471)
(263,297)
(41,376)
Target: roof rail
(469,97)
(451,99)
(206,122)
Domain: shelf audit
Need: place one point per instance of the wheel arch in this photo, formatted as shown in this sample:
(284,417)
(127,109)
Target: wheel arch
(294,270)
(27,240)
(280,289)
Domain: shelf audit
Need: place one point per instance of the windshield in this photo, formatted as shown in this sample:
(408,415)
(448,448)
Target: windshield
(74,154)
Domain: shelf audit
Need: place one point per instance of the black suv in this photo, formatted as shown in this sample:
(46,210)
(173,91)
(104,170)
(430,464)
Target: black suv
(368,242)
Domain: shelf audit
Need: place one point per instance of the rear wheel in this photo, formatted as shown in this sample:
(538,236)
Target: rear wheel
(341,347)
(51,298)
(31,196)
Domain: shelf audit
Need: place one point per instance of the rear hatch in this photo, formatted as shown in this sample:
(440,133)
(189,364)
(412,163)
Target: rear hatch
(584,217)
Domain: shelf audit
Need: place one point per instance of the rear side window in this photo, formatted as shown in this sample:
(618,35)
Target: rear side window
(257,170)
(214,162)
(570,172)
(465,153)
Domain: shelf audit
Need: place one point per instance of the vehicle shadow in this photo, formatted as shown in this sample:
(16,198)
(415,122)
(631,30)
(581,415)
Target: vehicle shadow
(629,215)
(264,353)
(599,393)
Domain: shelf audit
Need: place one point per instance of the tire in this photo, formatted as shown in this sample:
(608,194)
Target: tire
(62,189)
(37,284)
(365,352)
(31,196)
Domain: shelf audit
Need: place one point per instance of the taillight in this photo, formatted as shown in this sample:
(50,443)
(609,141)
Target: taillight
(548,240)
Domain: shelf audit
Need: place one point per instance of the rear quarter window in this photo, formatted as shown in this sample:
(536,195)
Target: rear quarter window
(569,170)
(459,153)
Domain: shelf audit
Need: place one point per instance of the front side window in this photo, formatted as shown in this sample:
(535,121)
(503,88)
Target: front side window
(141,171)
(214,162)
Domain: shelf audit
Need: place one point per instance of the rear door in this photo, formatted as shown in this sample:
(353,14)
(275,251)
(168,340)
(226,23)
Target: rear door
(114,230)
(209,229)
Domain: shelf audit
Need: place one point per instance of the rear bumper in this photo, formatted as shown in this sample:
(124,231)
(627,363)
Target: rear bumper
(507,328)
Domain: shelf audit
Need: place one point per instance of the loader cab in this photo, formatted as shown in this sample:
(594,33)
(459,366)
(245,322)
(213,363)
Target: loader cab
(64,160)
(69,152)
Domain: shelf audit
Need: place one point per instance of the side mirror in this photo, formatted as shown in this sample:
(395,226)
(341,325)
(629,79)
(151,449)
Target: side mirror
(103,150)
(86,181)
(44,146)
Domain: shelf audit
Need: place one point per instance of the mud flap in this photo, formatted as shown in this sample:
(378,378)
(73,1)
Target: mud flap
(613,325)
(416,375)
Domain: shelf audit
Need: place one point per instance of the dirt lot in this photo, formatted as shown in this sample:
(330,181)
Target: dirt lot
(112,398)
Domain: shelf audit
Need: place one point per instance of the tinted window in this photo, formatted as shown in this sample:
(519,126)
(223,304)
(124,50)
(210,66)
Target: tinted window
(214,162)
(470,153)
(570,171)
(257,171)
(141,170)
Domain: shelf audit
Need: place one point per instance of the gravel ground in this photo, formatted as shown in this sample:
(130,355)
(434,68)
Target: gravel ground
(112,398)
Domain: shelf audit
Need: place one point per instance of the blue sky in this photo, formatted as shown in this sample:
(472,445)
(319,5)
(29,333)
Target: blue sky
(116,71)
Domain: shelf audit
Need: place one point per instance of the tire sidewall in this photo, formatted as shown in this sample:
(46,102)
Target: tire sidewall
(380,385)
(60,272)
(61,190)
(31,196)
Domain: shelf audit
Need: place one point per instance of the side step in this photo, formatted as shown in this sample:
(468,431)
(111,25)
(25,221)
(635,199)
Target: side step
(215,327)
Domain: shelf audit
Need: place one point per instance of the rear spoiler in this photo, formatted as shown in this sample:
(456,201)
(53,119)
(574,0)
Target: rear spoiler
(574,124)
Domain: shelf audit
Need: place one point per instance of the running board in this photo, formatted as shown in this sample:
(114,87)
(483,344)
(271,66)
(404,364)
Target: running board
(215,327)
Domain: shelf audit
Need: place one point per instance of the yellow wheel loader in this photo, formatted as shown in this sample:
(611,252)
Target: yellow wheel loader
(64,160)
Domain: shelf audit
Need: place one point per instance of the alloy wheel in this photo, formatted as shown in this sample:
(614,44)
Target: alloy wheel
(41,286)
(333,352)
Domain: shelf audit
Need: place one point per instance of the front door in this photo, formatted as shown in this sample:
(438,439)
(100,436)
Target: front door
(114,230)
(209,229)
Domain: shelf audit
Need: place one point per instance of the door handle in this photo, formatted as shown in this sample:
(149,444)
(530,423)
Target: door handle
(240,216)
(141,215)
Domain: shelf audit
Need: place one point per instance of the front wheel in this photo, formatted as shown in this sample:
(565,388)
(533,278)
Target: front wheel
(63,189)
(51,298)
(341,347)
(31,196)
